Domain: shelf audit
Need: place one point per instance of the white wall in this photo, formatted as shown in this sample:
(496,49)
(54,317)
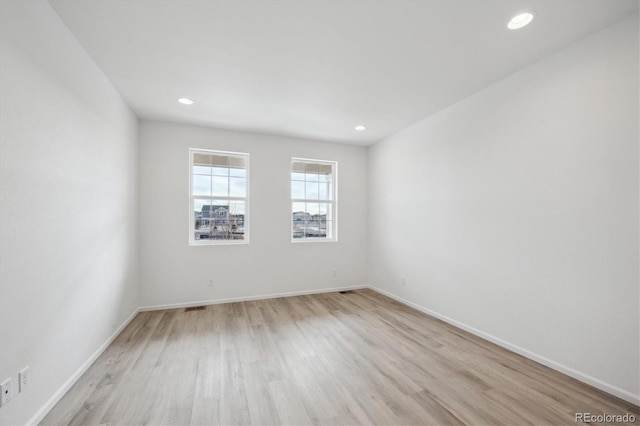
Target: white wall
(515,211)
(68,200)
(172,272)
(524,198)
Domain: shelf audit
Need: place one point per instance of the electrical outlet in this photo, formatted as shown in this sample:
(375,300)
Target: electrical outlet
(5,392)
(211,283)
(23,379)
(335,273)
(403,281)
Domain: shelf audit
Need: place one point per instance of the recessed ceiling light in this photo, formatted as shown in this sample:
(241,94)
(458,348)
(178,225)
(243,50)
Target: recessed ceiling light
(520,20)
(360,127)
(185,101)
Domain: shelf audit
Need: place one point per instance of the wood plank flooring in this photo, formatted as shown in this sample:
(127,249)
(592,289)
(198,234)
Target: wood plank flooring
(356,358)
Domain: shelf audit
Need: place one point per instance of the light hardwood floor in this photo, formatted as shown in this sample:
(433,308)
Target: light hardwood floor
(356,358)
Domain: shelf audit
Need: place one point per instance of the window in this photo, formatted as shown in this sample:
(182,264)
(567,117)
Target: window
(313,200)
(219,200)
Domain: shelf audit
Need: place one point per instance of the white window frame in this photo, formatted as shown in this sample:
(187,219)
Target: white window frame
(192,197)
(333,202)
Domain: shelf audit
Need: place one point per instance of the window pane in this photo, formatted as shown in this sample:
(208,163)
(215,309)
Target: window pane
(297,176)
(236,220)
(313,230)
(311,191)
(328,228)
(327,209)
(297,231)
(219,220)
(313,208)
(324,191)
(297,189)
(237,207)
(298,207)
(202,170)
(220,203)
(300,218)
(235,172)
(312,180)
(323,223)
(220,186)
(197,206)
(209,209)
(237,187)
(222,175)
(201,224)
(201,185)
(221,171)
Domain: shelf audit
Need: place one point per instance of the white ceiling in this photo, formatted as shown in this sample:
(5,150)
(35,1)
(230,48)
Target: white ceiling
(317,68)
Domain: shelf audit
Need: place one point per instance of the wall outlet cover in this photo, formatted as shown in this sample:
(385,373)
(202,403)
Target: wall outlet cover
(23,379)
(5,392)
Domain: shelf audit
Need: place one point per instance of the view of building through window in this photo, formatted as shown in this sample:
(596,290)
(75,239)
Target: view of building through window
(313,201)
(219,183)
(219,197)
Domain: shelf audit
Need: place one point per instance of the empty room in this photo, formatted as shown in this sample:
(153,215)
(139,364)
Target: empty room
(297,212)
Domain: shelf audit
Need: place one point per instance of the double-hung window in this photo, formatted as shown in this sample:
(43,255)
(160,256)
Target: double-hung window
(219,197)
(313,200)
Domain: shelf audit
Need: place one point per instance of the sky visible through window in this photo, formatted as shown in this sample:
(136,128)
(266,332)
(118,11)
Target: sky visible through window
(219,182)
(219,190)
(312,199)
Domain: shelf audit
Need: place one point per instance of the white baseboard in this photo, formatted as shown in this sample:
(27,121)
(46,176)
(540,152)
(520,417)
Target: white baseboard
(597,383)
(248,298)
(585,378)
(44,410)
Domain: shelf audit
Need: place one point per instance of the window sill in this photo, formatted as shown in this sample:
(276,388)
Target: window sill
(313,240)
(195,243)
